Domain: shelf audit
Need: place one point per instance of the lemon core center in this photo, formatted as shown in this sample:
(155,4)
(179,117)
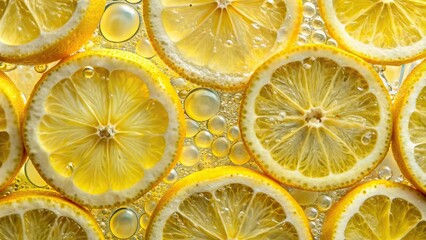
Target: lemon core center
(314,116)
(223,3)
(107,131)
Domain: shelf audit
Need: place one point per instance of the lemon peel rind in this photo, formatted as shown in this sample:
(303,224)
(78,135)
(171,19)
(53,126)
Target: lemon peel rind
(160,90)
(294,178)
(210,78)
(26,200)
(212,179)
(370,53)
(404,106)
(12,103)
(60,44)
(344,209)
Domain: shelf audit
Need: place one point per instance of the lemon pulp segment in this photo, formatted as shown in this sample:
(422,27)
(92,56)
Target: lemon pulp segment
(315,118)
(23,21)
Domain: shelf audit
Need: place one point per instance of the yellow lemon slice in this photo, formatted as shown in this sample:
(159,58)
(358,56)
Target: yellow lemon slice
(220,43)
(227,203)
(380,31)
(45,215)
(12,155)
(378,210)
(409,138)
(316,118)
(34,32)
(103,127)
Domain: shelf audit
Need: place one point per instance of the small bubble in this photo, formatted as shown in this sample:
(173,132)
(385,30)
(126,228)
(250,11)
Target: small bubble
(311,213)
(220,147)
(239,154)
(40,68)
(144,220)
(183,93)
(307,66)
(192,128)
(190,155)
(234,133)
(324,202)
(217,125)
(172,177)
(202,104)
(88,72)
(305,29)
(317,23)
(178,82)
(69,169)
(7,67)
(123,223)
(309,10)
(150,206)
(208,157)
(144,48)
(301,40)
(385,172)
(319,36)
(203,139)
(332,42)
(229,43)
(366,138)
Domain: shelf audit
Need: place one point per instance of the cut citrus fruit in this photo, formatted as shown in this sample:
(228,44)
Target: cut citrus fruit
(219,43)
(380,31)
(409,138)
(45,215)
(316,118)
(227,203)
(103,127)
(34,32)
(12,155)
(378,210)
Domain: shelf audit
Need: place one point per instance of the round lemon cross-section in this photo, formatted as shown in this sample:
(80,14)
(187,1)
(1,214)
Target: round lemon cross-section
(103,127)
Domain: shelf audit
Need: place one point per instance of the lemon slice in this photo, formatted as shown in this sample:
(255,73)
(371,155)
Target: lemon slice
(219,43)
(34,32)
(45,215)
(409,139)
(378,210)
(227,203)
(103,127)
(381,31)
(316,118)
(12,155)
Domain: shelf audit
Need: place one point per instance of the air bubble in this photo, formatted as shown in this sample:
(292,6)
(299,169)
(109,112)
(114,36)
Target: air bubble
(239,154)
(144,48)
(332,42)
(220,147)
(190,155)
(144,220)
(32,175)
(229,43)
(202,104)
(217,125)
(301,40)
(311,213)
(319,36)
(123,223)
(40,68)
(385,172)
(88,72)
(317,23)
(150,206)
(69,169)
(234,133)
(203,139)
(324,202)
(305,29)
(192,128)
(178,82)
(309,10)
(119,22)
(172,177)
(366,138)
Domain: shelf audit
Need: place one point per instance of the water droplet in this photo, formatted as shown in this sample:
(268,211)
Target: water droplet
(202,104)
(311,213)
(366,138)
(385,172)
(217,125)
(123,223)
(203,139)
(324,202)
(301,40)
(144,220)
(145,49)
(172,177)
(32,175)
(40,68)
(239,154)
(220,147)
(190,155)
(88,72)
(192,128)
(304,197)
(229,43)
(309,10)
(307,66)
(178,82)
(234,133)
(119,22)
(332,42)
(317,23)
(183,93)
(69,169)
(150,206)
